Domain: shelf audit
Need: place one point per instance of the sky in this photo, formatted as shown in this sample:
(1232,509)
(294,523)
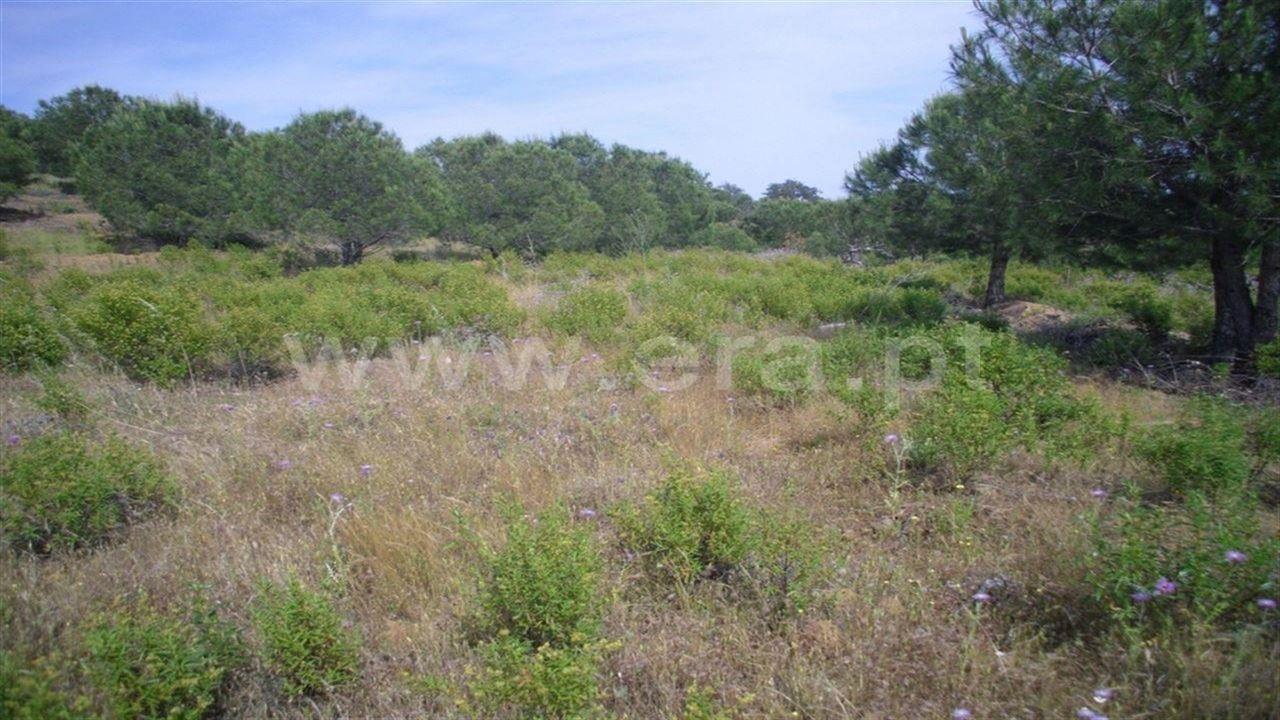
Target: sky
(749,93)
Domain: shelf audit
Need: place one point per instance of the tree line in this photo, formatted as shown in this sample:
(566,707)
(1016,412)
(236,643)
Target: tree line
(178,171)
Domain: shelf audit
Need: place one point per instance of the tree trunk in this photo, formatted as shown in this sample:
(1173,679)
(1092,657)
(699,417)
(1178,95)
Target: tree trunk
(995,278)
(352,252)
(1267,308)
(1232,304)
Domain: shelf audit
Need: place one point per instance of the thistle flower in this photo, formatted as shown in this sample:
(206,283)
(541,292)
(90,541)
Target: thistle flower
(366,470)
(982,597)
(961,714)
(1140,596)
(1165,586)
(337,498)
(226,407)
(283,464)
(1099,493)
(1267,603)
(1235,557)
(13,440)
(1102,694)
(586,514)
(891,439)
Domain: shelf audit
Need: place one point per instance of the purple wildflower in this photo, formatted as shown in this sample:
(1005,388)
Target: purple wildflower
(337,498)
(13,440)
(1140,596)
(891,439)
(226,407)
(586,514)
(1099,493)
(1085,713)
(1267,603)
(1235,557)
(283,464)
(328,426)
(1102,694)
(1165,586)
(981,597)
(366,470)
(961,714)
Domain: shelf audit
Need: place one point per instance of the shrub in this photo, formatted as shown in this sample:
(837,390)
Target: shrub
(28,691)
(540,610)
(62,491)
(1187,546)
(543,682)
(303,638)
(1141,303)
(27,340)
(697,527)
(725,237)
(784,370)
(543,586)
(62,399)
(1203,451)
(149,665)
(153,332)
(693,527)
(592,312)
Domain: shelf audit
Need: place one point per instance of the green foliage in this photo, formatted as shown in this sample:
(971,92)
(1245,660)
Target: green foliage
(1204,451)
(153,331)
(17,158)
(162,171)
(61,398)
(523,196)
(697,527)
(29,691)
(786,222)
(725,237)
(1188,545)
(61,122)
(60,491)
(786,370)
(1268,359)
(593,312)
(304,640)
(27,340)
(544,682)
(1141,304)
(148,665)
(1017,394)
(543,586)
(337,174)
(541,604)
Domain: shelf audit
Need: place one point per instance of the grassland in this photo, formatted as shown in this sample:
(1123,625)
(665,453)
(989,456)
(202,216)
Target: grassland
(726,487)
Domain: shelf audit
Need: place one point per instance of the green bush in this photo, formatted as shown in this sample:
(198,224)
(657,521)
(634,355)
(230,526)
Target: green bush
(148,665)
(1203,451)
(692,527)
(29,691)
(27,340)
(151,330)
(725,237)
(785,371)
(697,527)
(61,490)
(542,682)
(543,586)
(592,312)
(62,399)
(541,604)
(304,641)
(1214,561)
(1142,304)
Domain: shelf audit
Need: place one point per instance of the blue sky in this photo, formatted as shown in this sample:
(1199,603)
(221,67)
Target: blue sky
(749,93)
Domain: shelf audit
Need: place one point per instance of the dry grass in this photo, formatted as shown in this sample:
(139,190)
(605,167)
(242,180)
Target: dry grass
(894,637)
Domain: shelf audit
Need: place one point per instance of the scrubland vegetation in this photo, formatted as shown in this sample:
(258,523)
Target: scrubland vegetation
(599,440)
